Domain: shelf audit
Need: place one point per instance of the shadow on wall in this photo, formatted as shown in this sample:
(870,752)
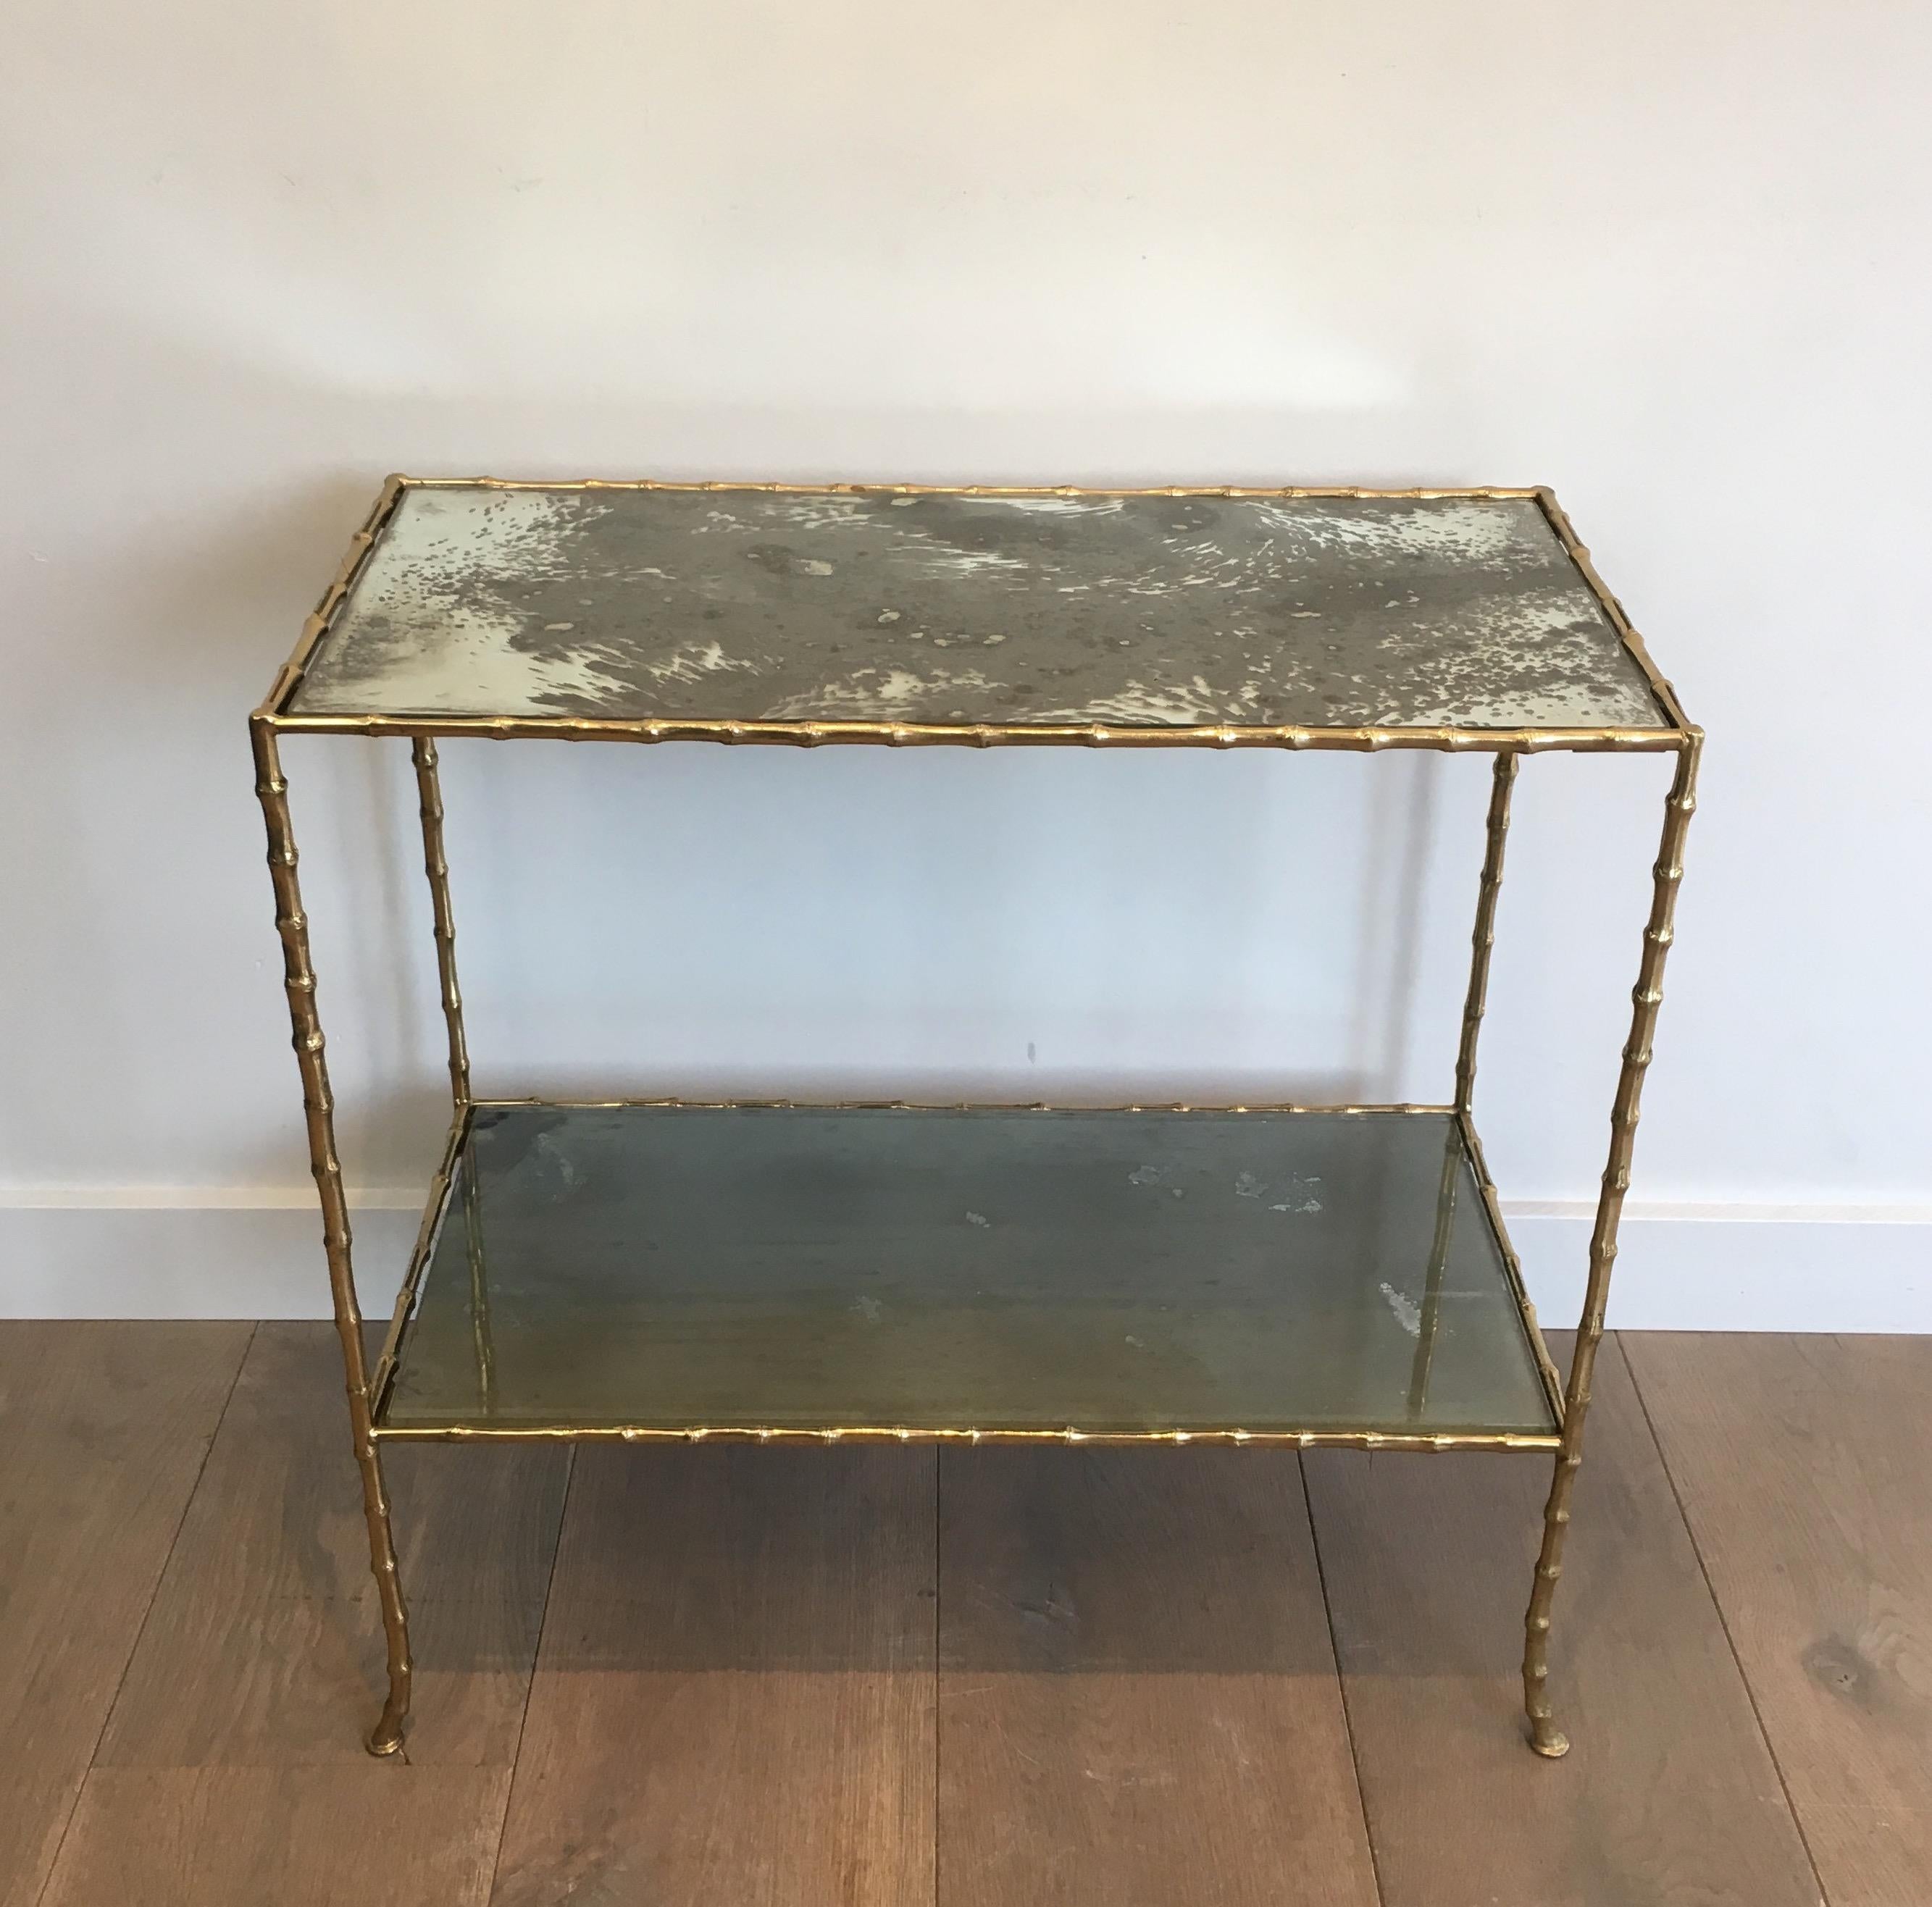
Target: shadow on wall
(943,925)
(1020,925)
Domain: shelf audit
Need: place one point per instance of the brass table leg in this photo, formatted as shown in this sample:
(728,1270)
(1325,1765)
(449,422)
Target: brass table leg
(386,1738)
(1431,1320)
(435,866)
(479,1294)
(1483,939)
(1545,1737)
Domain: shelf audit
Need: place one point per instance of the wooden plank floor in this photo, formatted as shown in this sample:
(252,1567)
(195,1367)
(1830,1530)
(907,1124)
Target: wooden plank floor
(1668,1793)
(900,1677)
(1138,1700)
(103,1429)
(1805,1468)
(734,1699)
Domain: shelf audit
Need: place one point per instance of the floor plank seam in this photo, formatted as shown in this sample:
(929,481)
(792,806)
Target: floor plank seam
(529,1687)
(1724,1624)
(147,1614)
(1341,1680)
(75,1847)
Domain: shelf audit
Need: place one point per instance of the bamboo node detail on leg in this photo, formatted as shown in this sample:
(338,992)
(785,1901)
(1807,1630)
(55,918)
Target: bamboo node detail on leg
(1645,997)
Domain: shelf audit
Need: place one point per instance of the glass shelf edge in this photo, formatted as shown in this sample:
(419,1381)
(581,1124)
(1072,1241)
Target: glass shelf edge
(440,1198)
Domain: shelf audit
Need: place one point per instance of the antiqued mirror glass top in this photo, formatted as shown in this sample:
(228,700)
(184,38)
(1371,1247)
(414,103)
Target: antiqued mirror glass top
(942,607)
(804,1269)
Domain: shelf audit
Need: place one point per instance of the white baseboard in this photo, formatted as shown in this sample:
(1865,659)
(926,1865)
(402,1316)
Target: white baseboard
(1739,1268)
(139,1253)
(117,1259)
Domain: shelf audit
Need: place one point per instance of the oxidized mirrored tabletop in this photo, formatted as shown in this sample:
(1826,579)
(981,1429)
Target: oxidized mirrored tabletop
(1149,611)
(1122,1273)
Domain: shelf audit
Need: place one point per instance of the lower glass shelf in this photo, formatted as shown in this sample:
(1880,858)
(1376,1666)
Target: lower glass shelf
(663,1270)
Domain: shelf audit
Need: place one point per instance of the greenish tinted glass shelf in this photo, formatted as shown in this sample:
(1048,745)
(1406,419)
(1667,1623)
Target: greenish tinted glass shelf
(641,1270)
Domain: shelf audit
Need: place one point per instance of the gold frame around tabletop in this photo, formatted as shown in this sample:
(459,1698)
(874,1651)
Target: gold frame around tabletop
(1371,739)
(368,1389)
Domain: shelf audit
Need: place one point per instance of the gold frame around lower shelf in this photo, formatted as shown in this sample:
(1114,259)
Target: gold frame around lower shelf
(1569,1398)
(437,1211)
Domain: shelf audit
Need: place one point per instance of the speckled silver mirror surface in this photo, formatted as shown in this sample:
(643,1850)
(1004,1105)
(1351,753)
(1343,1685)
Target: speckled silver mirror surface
(1132,611)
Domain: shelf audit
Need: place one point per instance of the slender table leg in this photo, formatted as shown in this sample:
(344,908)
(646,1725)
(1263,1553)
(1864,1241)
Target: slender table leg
(436,865)
(479,1294)
(1483,939)
(319,1106)
(1430,1321)
(1545,1737)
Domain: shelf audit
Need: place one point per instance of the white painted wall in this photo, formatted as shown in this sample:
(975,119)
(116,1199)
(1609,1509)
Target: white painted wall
(1674,260)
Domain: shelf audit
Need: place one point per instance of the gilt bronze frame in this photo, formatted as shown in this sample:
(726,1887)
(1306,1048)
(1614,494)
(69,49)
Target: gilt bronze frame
(1569,1400)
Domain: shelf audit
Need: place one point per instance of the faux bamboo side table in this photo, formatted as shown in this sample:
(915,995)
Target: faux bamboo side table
(1273,1275)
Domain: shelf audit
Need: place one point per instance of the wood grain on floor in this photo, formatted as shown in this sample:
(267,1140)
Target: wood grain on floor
(103,1430)
(1137,1701)
(372,1835)
(1668,1796)
(898,1677)
(262,1657)
(266,1646)
(733,1703)
(1805,1466)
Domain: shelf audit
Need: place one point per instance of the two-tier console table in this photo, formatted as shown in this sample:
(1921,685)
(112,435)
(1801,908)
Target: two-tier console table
(1269,1275)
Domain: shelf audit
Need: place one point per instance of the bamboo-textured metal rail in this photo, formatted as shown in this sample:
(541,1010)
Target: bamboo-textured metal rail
(435,866)
(1542,1443)
(988,735)
(1546,1737)
(1483,938)
(1664,690)
(426,1238)
(971,1106)
(1430,1323)
(479,1296)
(319,1106)
(1485,1187)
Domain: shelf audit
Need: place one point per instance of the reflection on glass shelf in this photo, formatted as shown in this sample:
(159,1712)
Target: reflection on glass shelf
(810,1268)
